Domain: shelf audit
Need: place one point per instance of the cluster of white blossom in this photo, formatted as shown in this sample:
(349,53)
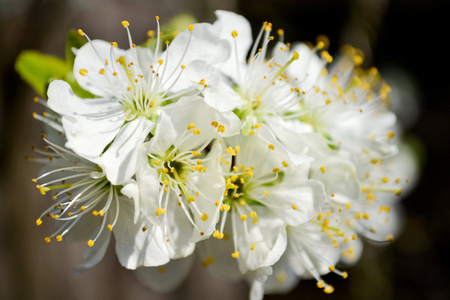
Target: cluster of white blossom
(266,160)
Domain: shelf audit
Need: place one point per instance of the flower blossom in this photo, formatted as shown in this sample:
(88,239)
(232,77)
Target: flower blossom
(133,86)
(179,182)
(87,206)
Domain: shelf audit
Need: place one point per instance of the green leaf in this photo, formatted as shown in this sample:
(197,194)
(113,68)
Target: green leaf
(74,40)
(38,69)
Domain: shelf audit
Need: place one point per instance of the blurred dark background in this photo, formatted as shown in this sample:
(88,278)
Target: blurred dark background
(405,39)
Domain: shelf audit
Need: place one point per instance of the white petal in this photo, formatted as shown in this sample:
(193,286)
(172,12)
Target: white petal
(308,196)
(283,279)
(178,229)
(311,250)
(93,255)
(211,187)
(222,97)
(226,23)
(62,100)
(165,136)
(204,45)
(91,57)
(268,235)
(135,247)
(166,278)
(223,266)
(194,110)
(122,157)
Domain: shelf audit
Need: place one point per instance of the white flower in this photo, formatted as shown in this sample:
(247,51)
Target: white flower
(267,188)
(258,89)
(346,104)
(87,206)
(132,87)
(179,182)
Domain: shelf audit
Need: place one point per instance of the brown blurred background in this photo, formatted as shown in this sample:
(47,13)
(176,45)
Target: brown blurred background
(405,39)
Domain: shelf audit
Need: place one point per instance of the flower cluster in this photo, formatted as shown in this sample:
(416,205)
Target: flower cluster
(267,160)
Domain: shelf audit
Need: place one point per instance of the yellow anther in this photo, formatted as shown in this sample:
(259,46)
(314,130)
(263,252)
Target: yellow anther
(191,27)
(358,60)
(236,195)
(59,238)
(160,61)
(390,238)
(252,247)
(196,131)
(328,101)
(110,228)
(80,32)
(275,170)
(209,260)
(320,45)
(48,239)
(385,179)
(190,199)
(125,24)
(280,32)
(271,147)
(327,56)
(90,243)
(348,205)
(190,126)
(114,44)
(295,55)
(331,268)
(234,33)
(160,211)
(294,207)
(235,254)
(285,164)
(38,222)
(390,134)
(83,72)
(344,275)
(320,284)
(204,217)
(323,169)
(328,289)
(226,207)
(253,214)
(102,71)
(243,217)
(266,193)
(101,213)
(242,203)
(95,213)
(144,229)
(156,17)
